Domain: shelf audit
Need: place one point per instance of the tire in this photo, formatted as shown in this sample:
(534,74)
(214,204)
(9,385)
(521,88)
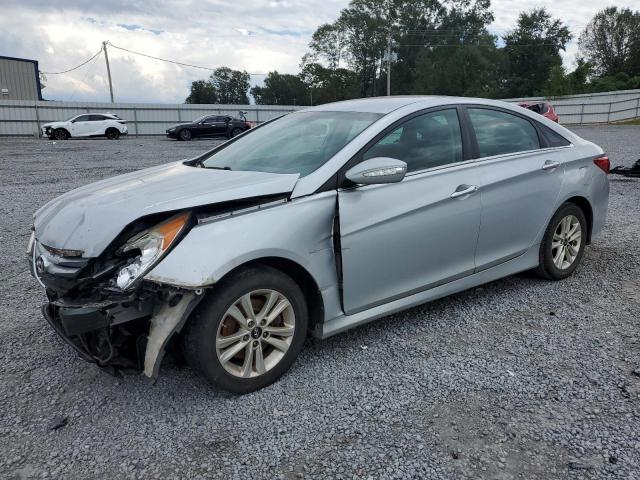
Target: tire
(555,263)
(60,134)
(112,133)
(212,334)
(185,135)
(236,131)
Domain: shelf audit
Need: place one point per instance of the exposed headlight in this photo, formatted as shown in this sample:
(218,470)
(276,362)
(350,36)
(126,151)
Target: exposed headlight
(152,245)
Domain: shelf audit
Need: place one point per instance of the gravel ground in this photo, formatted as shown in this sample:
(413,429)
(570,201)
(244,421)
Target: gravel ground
(520,378)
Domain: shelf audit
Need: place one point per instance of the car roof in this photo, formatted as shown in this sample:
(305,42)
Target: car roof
(385,105)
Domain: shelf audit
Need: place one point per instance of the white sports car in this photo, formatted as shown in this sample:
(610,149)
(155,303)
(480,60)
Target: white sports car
(87,125)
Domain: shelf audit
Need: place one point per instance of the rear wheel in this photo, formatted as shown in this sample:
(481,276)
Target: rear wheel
(60,134)
(112,133)
(236,131)
(185,134)
(248,331)
(563,243)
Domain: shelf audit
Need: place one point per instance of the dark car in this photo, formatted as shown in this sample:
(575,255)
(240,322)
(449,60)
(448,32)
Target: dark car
(209,126)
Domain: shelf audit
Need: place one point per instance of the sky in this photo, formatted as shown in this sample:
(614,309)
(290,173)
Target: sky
(257,36)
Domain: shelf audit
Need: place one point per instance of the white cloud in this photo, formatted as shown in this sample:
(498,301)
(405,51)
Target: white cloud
(257,36)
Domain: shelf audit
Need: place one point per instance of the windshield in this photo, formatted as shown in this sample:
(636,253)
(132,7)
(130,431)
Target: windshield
(296,143)
(199,119)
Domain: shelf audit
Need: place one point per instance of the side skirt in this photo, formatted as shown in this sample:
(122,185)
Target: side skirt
(526,261)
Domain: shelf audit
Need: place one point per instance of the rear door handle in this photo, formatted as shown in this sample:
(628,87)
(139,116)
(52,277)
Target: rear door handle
(550,165)
(463,190)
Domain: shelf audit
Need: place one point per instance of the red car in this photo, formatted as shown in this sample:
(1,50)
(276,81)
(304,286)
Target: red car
(543,108)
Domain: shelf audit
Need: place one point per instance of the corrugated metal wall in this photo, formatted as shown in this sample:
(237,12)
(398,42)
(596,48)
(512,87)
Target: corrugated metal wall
(593,108)
(24,117)
(19,79)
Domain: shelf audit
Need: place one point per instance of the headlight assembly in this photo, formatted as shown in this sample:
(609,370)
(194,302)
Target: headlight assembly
(151,245)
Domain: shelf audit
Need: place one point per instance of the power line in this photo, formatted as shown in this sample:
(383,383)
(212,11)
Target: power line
(438,45)
(171,61)
(74,68)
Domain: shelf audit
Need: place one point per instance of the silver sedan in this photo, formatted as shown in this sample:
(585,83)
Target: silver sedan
(313,223)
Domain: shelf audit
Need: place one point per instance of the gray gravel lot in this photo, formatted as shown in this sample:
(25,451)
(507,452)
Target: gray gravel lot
(520,378)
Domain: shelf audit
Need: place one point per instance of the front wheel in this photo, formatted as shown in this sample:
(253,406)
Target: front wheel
(563,243)
(248,331)
(60,134)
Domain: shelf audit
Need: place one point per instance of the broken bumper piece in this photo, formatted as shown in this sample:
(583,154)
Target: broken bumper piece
(122,335)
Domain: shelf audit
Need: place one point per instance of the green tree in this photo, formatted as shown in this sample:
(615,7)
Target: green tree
(611,42)
(558,83)
(459,55)
(532,50)
(225,86)
(326,85)
(231,86)
(202,91)
(281,89)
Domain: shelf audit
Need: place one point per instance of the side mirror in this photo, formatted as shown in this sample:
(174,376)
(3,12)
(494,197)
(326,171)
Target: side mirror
(378,170)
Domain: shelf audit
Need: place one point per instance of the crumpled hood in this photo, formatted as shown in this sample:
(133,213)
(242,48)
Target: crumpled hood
(90,217)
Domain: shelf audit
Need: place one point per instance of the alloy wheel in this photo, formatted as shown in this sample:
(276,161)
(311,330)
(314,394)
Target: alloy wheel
(255,333)
(566,242)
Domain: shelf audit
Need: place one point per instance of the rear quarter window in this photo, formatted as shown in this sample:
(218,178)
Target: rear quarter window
(552,138)
(500,133)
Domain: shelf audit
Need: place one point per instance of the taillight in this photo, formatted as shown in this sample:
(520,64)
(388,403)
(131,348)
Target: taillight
(603,163)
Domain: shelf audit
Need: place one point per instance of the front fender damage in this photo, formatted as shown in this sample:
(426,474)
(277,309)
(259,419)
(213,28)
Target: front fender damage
(167,321)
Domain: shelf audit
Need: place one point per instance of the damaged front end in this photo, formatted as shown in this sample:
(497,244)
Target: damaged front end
(104,308)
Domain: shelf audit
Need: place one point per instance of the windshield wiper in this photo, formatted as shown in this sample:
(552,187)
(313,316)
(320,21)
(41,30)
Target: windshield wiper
(216,168)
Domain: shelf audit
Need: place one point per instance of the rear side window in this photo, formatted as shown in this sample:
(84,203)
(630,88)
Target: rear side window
(97,118)
(553,139)
(425,141)
(499,133)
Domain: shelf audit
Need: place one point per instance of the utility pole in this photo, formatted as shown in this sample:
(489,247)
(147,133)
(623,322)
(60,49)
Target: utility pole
(388,64)
(106,58)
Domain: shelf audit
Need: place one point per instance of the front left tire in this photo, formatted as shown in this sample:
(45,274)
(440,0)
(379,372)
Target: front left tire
(60,134)
(248,331)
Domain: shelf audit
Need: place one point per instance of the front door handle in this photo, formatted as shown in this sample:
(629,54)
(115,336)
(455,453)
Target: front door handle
(550,165)
(463,190)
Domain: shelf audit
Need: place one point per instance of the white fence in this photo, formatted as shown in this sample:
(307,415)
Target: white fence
(23,117)
(593,108)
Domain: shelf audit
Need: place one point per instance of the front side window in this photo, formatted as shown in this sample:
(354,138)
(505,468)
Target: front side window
(299,142)
(499,133)
(209,120)
(426,141)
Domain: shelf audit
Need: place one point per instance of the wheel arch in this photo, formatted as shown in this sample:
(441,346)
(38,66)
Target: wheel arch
(299,274)
(584,205)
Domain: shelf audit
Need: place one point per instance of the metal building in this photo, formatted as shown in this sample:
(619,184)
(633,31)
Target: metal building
(19,79)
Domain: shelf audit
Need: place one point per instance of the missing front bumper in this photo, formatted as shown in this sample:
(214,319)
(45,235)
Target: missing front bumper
(121,336)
